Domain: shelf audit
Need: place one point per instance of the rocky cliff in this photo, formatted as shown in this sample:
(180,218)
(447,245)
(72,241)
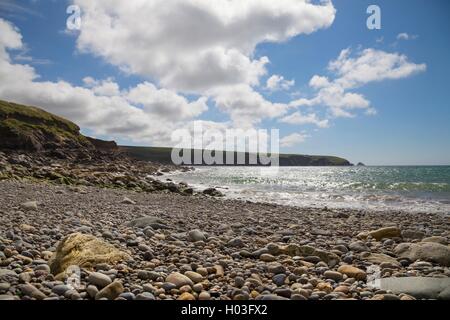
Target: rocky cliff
(25,128)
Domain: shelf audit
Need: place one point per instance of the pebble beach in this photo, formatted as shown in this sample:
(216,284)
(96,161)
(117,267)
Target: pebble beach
(164,245)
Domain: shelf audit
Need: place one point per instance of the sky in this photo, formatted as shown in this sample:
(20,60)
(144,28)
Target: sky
(136,71)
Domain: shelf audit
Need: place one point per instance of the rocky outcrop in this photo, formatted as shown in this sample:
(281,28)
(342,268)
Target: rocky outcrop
(27,128)
(102,144)
(33,129)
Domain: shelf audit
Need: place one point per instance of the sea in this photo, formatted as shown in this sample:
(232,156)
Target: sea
(415,189)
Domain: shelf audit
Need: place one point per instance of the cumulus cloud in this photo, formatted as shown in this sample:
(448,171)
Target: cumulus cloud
(195,45)
(298,118)
(372,65)
(106,87)
(352,72)
(293,139)
(245,106)
(277,82)
(139,114)
(165,103)
(318,82)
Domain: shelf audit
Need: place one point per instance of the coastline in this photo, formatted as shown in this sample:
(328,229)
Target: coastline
(258,187)
(227,249)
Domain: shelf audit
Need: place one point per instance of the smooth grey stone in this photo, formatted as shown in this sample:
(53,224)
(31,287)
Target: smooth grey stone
(418,287)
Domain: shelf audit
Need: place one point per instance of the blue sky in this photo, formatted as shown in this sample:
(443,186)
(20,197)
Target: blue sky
(411,124)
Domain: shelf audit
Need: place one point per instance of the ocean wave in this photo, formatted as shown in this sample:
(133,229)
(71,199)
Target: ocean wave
(412,189)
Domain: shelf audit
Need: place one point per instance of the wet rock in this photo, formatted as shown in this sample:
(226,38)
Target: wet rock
(213,192)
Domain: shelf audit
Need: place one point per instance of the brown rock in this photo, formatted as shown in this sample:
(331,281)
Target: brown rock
(111,291)
(389,232)
(179,279)
(352,272)
(186,297)
(83,251)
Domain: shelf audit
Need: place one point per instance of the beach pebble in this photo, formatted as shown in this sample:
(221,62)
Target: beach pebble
(196,235)
(179,279)
(99,280)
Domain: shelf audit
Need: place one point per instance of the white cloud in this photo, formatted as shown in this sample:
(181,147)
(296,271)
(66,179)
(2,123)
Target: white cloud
(293,139)
(405,36)
(318,82)
(299,119)
(277,83)
(195,45)
(371,65)
(106,87)
(143,114)
(352,72)
(165,103)
(245,106)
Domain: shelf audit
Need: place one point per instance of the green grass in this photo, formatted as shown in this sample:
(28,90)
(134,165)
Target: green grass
(20,120)
(34,115)
(26,121)
(163,155)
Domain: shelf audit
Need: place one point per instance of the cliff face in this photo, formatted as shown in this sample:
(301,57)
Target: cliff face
(292,160)
(35,130)
(163,155)
(24,128)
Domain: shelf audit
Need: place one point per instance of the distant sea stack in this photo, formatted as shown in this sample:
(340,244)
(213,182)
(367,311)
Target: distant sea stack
(360,164)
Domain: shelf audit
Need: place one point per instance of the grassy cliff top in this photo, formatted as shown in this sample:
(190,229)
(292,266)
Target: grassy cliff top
(31,128)
(163,155)
(34,115)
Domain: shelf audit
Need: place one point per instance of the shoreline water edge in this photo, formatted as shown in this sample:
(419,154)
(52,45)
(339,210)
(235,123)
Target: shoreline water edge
(170,241)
